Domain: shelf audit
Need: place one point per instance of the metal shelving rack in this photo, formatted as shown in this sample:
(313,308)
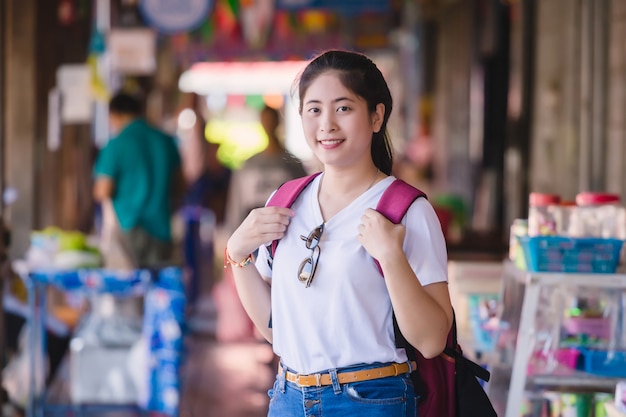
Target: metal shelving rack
(521,298)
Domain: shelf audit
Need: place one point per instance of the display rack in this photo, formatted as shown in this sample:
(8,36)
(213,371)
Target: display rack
(88,282)
(520,321)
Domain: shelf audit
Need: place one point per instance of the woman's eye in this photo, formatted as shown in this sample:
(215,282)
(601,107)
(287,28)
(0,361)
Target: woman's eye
(343,108)
(313,110)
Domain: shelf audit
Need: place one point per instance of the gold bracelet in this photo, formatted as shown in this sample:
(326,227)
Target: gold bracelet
(230,261)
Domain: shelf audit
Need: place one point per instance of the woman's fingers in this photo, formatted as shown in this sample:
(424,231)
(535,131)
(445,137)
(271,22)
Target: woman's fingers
(260,227)
(378,235)
(271,215)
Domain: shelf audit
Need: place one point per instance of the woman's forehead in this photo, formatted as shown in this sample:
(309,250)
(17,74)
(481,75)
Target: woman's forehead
(328,86)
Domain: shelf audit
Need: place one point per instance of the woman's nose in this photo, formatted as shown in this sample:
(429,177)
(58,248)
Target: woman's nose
(328,125)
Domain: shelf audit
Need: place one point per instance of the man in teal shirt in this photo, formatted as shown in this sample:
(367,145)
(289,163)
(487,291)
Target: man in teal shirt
(139,171)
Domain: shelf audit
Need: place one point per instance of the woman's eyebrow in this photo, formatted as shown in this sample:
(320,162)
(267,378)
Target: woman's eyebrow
(336,100)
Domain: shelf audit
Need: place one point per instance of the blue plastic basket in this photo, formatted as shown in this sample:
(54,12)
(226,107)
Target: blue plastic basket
(566,254)
(601,362)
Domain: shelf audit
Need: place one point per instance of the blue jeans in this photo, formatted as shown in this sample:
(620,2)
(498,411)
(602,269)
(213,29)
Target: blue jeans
(384,397)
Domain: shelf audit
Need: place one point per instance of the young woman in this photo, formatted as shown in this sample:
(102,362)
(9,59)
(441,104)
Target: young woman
(338,323)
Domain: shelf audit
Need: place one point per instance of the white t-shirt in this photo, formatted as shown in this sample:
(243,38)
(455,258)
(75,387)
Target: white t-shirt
(345,317)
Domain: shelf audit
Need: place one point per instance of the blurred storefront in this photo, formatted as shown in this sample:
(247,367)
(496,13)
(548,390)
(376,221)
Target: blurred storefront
(492,99)
(65,52)
(448,121)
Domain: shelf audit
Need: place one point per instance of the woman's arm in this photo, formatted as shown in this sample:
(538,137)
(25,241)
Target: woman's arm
(254,293)
(424,313)
(261,226)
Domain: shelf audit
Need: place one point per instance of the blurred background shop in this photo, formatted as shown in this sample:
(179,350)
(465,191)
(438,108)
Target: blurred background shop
(494,99)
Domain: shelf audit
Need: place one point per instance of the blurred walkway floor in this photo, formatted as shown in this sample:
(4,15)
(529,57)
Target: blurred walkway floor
(219,380)
(223,379)
(226,379)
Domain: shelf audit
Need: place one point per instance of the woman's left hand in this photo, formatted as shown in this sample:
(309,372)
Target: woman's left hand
(379,236)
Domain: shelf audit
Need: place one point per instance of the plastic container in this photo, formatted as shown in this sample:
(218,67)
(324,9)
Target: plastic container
(603,362)
(591,326)
(565,254)
(596,215)
(566,357)
(541,214)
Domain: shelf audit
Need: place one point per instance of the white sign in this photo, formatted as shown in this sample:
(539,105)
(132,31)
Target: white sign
(74,84)
(132,51)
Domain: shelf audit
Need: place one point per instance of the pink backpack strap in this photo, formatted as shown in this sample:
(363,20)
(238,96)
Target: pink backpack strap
(289,191)
(286,195)
(397,199)
(395,202)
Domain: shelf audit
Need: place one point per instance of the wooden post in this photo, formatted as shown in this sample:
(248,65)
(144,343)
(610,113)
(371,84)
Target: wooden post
(20,117)
(3,253)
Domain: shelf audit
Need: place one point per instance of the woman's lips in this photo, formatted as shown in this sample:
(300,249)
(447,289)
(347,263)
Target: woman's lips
(330,143)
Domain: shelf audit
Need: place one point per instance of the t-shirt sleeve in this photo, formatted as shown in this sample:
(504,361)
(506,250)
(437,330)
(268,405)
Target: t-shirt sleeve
(262,264)
(263,254)
(424,243)
(106,163)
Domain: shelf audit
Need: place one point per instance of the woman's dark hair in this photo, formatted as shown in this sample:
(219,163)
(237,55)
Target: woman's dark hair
(361,76)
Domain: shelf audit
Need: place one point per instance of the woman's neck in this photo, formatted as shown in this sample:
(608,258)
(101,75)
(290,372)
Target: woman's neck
(339,188)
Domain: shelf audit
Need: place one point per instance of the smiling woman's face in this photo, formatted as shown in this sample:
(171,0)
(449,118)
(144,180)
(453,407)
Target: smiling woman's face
(337,124)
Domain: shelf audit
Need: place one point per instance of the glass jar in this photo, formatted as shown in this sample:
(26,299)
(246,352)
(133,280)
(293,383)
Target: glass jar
(597,215)
(541,214)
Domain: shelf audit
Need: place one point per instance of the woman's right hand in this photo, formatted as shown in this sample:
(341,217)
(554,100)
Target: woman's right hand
(261,226)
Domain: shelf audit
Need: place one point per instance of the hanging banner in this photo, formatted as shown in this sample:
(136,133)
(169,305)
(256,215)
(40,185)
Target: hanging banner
(343,6)
(170,16)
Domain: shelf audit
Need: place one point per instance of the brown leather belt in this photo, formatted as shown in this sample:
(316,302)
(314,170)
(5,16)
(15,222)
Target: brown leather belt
(319,380)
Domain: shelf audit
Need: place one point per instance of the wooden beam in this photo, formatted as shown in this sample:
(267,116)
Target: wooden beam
(20,117)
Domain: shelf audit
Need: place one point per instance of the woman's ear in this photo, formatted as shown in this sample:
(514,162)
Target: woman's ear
(377,117)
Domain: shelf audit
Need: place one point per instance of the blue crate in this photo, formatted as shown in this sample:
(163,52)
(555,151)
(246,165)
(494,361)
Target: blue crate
(602,362)
(566,254)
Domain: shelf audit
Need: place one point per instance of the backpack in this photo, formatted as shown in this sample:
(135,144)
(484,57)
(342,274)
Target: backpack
(447,384)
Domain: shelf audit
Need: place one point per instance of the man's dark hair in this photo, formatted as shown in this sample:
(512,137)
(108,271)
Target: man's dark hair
(124,103)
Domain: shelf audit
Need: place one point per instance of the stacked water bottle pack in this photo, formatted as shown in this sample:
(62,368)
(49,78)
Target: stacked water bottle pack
(163,329)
